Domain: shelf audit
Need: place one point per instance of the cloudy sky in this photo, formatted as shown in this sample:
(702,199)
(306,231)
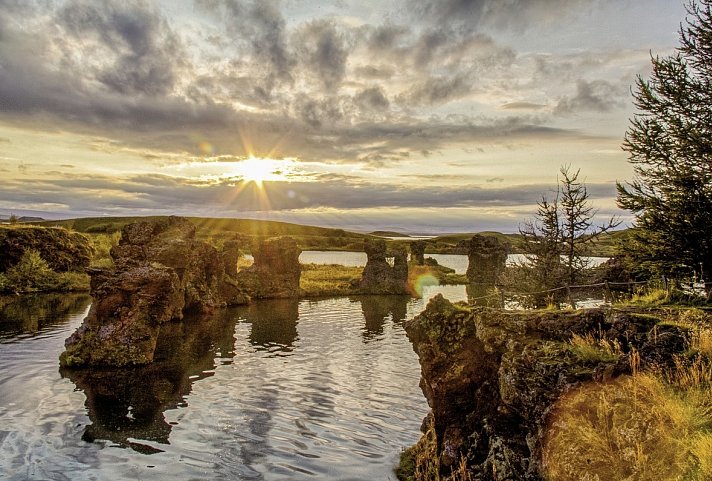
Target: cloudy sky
(418,115)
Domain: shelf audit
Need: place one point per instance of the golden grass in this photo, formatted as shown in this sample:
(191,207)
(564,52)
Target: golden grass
(591,348)
(327,279)
(647,427)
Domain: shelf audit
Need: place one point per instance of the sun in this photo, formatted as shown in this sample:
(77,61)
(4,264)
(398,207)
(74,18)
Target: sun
(259,170)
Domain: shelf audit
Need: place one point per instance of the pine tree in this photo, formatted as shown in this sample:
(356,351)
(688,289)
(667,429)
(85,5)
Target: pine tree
(557,242)
(669,143)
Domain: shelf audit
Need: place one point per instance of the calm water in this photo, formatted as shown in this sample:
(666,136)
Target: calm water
(453,261)
(312,390)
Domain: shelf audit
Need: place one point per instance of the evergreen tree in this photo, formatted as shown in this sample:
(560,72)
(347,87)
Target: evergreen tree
(669,143)
(557,242)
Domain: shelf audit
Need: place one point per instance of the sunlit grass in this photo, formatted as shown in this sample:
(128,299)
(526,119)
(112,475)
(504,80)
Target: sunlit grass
(591,348)
(648,427)
(328,279)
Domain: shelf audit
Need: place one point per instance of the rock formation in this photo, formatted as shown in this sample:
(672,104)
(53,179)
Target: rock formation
(63,250)
(378,276)
(417,252)
(491,377)
(160,273)
(487,257)
(275,272)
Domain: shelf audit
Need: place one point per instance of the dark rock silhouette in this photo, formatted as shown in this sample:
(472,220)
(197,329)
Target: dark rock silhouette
(487,258)
(61,249)
(378,276)
(492,376)
(417,252)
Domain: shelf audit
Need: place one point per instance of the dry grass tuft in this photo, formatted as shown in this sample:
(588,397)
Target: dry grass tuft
(648,427)
(592,348)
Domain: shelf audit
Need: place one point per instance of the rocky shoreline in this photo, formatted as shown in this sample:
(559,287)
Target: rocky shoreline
(492,378)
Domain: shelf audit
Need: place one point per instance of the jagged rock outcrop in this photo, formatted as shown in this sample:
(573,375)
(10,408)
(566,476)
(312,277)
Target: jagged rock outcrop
(417,252)
(275,272)
(487,257)
(491,376)
(378,276)
(61,249)
(160,272)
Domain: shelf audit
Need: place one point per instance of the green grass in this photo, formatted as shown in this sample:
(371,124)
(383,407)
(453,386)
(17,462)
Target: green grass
(32,274)
(319,280)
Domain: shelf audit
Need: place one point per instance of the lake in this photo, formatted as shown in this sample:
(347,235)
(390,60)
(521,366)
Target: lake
(453,261)
(281,389)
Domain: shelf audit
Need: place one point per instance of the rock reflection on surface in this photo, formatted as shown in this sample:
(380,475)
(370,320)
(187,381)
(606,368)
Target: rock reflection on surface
(273,324)
(318,389)
(29,314)
(378,309)
(127,404)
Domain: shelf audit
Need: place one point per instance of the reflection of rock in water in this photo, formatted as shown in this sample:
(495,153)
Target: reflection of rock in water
(274,323)
(128,404)
(377,308)
(33,313)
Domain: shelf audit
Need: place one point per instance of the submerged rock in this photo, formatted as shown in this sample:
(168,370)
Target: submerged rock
(378,276)
(491,377)
(61,249)
(160,272)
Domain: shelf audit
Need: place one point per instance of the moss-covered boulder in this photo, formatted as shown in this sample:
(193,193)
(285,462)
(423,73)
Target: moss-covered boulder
(62,250)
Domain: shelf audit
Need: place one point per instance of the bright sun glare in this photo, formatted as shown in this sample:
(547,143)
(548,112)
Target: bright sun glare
(258,170)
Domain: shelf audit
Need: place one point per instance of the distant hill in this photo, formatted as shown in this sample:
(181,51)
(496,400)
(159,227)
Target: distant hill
(388,233)
(308,237)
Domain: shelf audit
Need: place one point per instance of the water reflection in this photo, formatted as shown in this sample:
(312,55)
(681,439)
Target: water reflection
(30,314)
(377,310)
(126,406)
(274,324)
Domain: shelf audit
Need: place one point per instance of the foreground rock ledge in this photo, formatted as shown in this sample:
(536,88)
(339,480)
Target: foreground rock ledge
(492,376)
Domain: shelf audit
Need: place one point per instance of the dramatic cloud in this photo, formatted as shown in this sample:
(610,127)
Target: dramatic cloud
(596,96)
(481,97)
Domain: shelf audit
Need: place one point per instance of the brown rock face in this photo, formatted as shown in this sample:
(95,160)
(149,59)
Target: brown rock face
(160,272)
(275,272)
(417,252)
(491,376)
(378,276)
(63,250)
(487,257)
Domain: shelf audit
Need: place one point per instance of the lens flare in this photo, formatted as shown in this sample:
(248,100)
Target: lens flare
(423,280)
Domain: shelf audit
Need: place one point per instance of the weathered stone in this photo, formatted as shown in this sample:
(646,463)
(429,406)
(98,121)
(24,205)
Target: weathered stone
(160,272)
(275,272)
(230,256)
(417,252)
(61,249)
(491,377)
(487,258)
(378,276)
(124,320)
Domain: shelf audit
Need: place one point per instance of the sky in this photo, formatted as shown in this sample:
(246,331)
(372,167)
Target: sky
(422,116)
